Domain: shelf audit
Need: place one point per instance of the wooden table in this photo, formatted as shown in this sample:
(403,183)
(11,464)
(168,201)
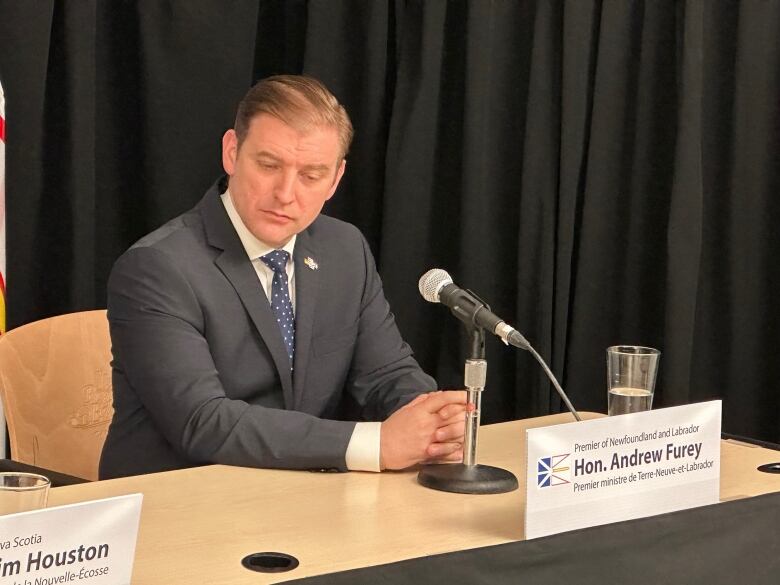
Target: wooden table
(197,524)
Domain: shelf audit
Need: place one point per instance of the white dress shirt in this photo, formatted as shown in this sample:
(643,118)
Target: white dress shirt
(364,445)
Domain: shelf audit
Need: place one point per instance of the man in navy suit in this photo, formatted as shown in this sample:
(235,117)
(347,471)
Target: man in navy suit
(254,331)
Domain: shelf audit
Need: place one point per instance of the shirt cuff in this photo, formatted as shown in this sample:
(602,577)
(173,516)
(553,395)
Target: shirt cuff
(363,449)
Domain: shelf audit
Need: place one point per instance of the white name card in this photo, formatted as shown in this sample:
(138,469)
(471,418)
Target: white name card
(86,543)
(622,467)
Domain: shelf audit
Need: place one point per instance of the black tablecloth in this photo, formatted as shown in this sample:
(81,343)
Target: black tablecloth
(730,543)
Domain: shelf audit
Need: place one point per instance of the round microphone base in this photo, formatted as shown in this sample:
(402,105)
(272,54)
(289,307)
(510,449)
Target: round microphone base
(467,479)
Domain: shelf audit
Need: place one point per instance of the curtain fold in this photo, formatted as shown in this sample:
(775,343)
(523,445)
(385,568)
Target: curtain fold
(600,171)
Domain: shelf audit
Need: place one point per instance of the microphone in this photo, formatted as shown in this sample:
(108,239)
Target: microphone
(436,286)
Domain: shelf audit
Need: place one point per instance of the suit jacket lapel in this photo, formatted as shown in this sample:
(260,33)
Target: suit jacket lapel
(307,283)
(237,268)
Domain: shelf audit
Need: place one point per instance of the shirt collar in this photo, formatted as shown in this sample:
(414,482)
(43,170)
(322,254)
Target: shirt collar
(254,247)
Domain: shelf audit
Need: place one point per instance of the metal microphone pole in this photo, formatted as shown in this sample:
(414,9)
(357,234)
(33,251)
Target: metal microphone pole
(469,477)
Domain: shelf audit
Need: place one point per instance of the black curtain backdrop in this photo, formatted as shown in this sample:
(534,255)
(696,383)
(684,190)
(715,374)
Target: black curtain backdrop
(602,172)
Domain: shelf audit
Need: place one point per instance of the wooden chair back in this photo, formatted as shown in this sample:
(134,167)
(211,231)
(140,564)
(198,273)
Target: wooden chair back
(55,384)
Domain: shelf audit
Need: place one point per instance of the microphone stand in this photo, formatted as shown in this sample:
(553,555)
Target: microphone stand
(469,477)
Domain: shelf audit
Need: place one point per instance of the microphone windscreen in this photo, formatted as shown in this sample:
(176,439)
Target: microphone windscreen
(432,282)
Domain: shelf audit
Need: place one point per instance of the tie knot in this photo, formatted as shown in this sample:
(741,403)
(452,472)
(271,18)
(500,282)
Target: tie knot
(276,260)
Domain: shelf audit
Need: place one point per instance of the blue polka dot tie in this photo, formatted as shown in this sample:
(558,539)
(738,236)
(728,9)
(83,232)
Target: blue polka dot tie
(280,298)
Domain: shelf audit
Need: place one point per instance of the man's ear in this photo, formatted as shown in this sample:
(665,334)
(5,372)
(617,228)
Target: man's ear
(339,174)
(229,151)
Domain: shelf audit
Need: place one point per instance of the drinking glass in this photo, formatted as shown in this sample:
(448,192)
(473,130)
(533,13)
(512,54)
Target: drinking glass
(20,492)
(631,372)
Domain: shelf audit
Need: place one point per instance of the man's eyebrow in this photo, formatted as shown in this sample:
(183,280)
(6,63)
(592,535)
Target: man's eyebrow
(316,167)
(266,154)
(319,167)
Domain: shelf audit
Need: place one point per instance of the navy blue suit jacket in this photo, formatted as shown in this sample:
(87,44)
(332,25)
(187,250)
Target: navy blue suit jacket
(200,372)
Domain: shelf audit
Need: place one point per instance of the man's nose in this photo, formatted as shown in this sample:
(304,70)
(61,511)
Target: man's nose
(285,187)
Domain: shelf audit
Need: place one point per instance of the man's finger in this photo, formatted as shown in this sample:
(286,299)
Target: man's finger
(417,400)
(454,457)
(455,410)
(450,433)
(438,450)
(439,400)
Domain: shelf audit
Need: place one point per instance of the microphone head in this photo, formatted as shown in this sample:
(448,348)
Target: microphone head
(432,282)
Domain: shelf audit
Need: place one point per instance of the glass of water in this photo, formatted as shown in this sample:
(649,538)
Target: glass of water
(20,492)
(631,371)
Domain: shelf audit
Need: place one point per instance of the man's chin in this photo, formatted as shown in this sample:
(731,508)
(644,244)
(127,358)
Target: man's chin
(274,238)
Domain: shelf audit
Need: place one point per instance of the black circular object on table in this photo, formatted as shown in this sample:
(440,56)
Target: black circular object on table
(770,468)
(270,562)
(467,479)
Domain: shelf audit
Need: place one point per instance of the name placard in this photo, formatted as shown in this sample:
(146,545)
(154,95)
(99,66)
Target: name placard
(622,467)
(89,542)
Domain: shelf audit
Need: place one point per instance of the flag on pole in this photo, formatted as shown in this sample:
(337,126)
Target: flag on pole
(2,210)
(2,247)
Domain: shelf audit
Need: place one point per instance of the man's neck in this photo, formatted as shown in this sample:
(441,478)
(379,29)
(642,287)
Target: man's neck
(253,246)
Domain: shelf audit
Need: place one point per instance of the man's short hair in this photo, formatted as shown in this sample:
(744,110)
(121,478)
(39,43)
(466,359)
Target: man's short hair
(297,100)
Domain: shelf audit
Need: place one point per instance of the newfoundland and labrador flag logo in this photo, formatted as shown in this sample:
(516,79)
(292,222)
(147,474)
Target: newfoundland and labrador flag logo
(552,470)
